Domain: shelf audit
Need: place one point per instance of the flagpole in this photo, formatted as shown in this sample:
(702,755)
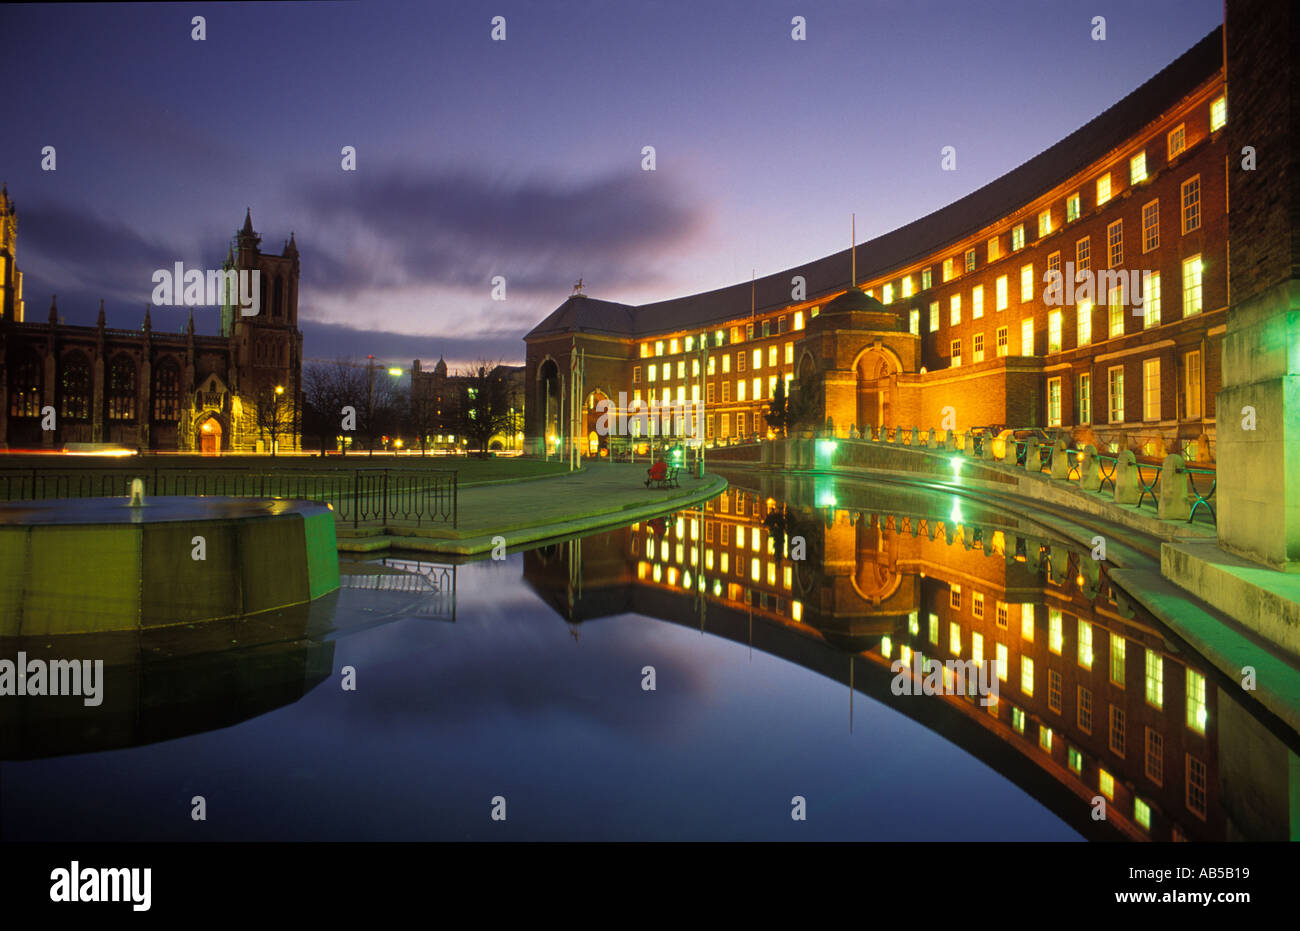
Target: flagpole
(853,249)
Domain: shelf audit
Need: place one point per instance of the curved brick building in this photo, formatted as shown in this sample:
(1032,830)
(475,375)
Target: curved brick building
(956,310)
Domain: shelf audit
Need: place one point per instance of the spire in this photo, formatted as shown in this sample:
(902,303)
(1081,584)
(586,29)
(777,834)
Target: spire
(248,222)
(54,311)
(292,247)
(148,321)
(189,327)
(99,322)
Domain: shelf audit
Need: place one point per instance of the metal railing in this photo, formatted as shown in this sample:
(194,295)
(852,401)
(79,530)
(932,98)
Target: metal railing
(356,495)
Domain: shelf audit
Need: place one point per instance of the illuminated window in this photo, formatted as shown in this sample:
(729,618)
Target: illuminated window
(1155,679)
(167,390)
(887,294)
(955,353)
(947,269)
(1151,226)
(1151,389)
(726,397)
(659,347)
(1072,208)
(1115,397)
(1027,622)
(970,260)
(1026,283)
(726,364)
(1055,631)
(1027,336)
(740,361)
(1177,140)
(934,316)
(749,331)
(1002,292)
(1118,742)
(740,424)
(1218,114)
(1197,712)
(1137,168)
(789,353)
(1018,720)
(740,389)
(1155,758)
(1115,243)
(994,249)
(645,350)
(1001,337)
(1106,783)
(798,319)
(1196,786)
(1083,398)
(1054,264)
(1044,223)
(1045,738)
(1083,254)
(1004,663)
(690,343)
(1142,814)
(672,347)
(758,359)
(712,365)
(681,369)
(1084,710)
(978,350)
(1192,286)
(1151,302)
(1054,402)
(926,279)
(771,356)
(1076,760)
(1085,644)
(636,374)
(977,302)
(914,322)
(121,389)
(907,286)
(1191,201)
(758,394)
(75,388)
(954,310)
(954,639)
(1084,311)
(1000,614)
(667,371)
(1054,331)
(1027,675)
(1115,312)
(1103,189)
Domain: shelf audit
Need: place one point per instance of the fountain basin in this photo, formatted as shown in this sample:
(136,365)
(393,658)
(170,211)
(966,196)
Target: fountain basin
(86,565)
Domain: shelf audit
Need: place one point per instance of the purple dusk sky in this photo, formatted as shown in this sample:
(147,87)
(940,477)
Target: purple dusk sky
(522,158)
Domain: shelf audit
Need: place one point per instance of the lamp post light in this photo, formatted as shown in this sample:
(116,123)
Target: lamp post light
(275,417)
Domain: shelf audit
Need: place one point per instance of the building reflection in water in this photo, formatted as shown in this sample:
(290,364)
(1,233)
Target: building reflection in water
(1096,698)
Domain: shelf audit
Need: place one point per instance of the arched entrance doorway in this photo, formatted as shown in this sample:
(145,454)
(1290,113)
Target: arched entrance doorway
(597,444)
(877,382)
(210,436)
(548,402)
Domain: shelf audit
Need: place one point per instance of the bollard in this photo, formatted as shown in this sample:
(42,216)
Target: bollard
(1033,457)
(947,440)
(986,447)
(1127,486)
(1089,469)
(967,444)
(916,435)
(1060,460)
(1174,490)
(929,443)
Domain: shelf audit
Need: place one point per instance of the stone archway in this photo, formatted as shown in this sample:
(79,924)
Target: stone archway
(548,400)
(209,434)
(876,371)
(597,444)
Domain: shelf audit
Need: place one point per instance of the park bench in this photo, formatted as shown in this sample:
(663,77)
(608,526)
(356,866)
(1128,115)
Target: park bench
(666,478)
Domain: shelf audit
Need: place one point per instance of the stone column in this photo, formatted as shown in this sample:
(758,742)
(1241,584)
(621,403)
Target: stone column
(1258,406)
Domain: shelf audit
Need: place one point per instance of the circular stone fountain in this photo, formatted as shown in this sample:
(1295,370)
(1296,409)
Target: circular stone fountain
(82,565)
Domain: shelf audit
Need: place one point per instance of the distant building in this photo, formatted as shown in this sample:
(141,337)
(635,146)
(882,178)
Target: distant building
(148,389)
(436,403)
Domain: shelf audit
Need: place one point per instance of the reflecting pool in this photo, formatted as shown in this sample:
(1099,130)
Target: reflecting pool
(767,620)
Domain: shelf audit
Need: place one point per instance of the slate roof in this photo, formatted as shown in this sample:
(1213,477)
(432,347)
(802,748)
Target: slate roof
(917,239)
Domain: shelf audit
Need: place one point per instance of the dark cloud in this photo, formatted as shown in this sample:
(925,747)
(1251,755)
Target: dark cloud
(458,228)
(333,341)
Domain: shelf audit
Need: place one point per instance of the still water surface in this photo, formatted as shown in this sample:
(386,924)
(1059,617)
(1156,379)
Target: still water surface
(524,679)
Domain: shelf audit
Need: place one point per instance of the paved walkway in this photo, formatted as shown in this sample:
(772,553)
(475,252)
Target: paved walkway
(602,494)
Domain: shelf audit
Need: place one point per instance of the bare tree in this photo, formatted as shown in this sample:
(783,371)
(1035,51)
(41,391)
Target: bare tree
(484,404)
(328,388)
(275,414)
